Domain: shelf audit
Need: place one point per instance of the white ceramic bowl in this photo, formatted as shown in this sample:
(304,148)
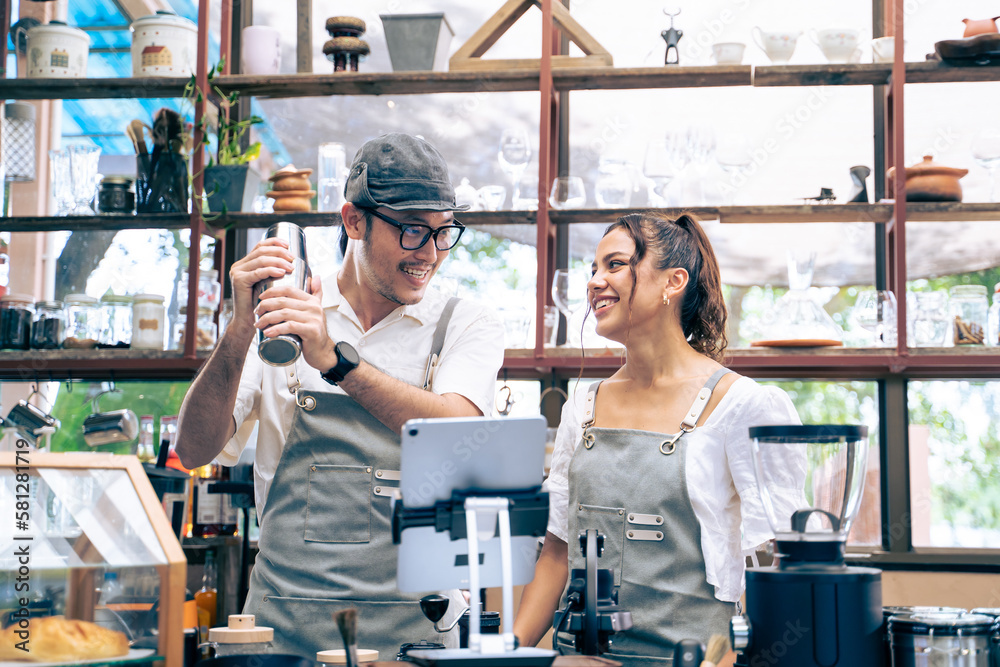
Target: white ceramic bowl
(164,44)
(728,53)
(57,51)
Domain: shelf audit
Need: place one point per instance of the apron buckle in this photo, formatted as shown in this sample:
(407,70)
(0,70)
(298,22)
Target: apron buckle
(588,439)
(304,400)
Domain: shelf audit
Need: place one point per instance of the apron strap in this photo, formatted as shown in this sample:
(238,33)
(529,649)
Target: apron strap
(690,422)
(438,343)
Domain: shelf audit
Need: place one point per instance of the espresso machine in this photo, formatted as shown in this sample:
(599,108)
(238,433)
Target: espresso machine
(809,608)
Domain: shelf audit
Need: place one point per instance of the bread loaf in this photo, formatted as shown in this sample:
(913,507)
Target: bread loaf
(59,639)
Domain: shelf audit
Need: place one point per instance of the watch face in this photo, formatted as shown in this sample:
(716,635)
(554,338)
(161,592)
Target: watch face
(348,353)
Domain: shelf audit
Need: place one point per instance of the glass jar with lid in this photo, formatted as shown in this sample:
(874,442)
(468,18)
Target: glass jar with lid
(148,322)
(83,321)
(206,333)
(209,289)
(116,321)
(968,307)
(993,318)
(16,313)
(48,327)
(116,196)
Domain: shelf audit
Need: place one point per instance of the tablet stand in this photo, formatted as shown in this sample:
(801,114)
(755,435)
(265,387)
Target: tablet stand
(530,507)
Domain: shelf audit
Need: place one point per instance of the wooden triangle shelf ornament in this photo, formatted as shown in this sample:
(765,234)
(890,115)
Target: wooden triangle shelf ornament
(468,57)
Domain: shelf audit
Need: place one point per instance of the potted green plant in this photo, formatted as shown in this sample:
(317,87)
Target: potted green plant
(229,182)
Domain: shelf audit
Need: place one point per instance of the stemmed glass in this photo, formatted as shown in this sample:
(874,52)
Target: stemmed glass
(701,147)
(659,167)
(569,294)
(513,155)
(875,311)
(986,151)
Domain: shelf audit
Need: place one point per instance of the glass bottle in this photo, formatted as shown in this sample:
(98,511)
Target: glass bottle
(212,513)
(993,319)
(116,321)
(205,332)
(968,307)
(148,322)
(145,450)
(16,313)
(83,321)
(47,330)
(207,596)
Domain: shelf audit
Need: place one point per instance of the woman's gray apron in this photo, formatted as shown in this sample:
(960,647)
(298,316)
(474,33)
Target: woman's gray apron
(630,485)
(325,534)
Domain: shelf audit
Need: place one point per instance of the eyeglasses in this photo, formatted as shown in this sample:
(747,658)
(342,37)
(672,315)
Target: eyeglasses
(415,236)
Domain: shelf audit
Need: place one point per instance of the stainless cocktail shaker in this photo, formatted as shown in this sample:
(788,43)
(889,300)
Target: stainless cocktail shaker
(284,349)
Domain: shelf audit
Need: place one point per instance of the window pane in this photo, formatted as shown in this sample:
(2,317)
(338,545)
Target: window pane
(954,463)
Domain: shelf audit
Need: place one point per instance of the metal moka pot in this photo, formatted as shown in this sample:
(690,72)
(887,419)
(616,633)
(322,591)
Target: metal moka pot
(286,348)
(30,422)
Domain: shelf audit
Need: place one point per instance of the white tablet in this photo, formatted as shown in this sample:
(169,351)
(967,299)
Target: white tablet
(442,455)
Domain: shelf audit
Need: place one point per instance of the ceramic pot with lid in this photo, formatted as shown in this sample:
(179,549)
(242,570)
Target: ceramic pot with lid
(164,44)
(57,51)
(930,181)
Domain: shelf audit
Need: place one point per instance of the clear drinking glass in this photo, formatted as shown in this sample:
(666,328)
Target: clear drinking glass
(61,181)
(661,164)
(331,174)
(513,155)
(701,146)
(875,311)
(568,192)
(986,151)
(492,197)
(613,188)
(83,173)
(733,155)
(525,196)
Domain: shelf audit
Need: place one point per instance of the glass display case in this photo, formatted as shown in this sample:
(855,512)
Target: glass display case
(88,540)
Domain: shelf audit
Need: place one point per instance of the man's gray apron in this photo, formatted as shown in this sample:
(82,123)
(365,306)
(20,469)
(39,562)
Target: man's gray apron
(630,485)
(325,533)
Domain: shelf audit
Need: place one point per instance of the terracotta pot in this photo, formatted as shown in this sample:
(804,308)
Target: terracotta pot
(930,181)
(980,26)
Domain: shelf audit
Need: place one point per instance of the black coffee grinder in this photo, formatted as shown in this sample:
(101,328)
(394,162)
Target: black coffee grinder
(809,608)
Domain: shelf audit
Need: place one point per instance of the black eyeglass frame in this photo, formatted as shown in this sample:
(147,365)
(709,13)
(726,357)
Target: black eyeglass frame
(428,233)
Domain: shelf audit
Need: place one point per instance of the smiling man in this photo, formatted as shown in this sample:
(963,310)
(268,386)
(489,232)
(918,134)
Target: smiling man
(379,347)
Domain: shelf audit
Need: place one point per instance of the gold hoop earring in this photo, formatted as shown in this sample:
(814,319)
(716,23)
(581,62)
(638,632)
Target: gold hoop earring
(666,301)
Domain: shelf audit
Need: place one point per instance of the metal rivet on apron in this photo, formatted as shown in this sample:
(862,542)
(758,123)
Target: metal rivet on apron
(378,474)
(620,512)
(630,533)
(580,508)
(659,519)
(631,517)
(368,469)
(264,599)
(378,489)
(313,468)
(659,536)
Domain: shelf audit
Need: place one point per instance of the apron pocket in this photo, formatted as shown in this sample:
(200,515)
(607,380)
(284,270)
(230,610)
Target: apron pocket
(610,522)
(338,504)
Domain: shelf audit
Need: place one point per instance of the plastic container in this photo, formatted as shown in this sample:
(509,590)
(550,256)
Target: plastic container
(48,328)
(116,321)
(83,321)
(968,307)
(16,313)
(993,319)
(148,322)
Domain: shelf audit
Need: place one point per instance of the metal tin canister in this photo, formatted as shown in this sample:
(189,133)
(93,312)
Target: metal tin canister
(286,348)
(940,640)
(116,196)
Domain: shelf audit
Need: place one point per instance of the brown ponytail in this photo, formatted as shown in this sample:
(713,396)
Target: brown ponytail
(682,243)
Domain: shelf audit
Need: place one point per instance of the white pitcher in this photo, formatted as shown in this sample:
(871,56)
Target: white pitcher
(779,45)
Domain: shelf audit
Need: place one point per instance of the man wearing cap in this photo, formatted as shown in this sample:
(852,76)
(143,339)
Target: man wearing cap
(378,348)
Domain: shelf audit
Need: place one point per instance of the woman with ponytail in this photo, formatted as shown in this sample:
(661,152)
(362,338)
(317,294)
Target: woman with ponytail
(657,457)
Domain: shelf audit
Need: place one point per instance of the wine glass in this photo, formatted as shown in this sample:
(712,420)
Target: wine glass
(701,147)
(569,294)
(660,167)
(986,151)
(568,192)
(513,156)
(875,311)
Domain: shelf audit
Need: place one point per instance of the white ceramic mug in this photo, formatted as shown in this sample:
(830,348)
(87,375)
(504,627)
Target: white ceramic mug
(884,49)
(260,52)
(839,45)
(779,45)
(728,53)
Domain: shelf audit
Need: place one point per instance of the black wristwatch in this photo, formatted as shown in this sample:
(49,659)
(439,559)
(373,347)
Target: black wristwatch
(347,360)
